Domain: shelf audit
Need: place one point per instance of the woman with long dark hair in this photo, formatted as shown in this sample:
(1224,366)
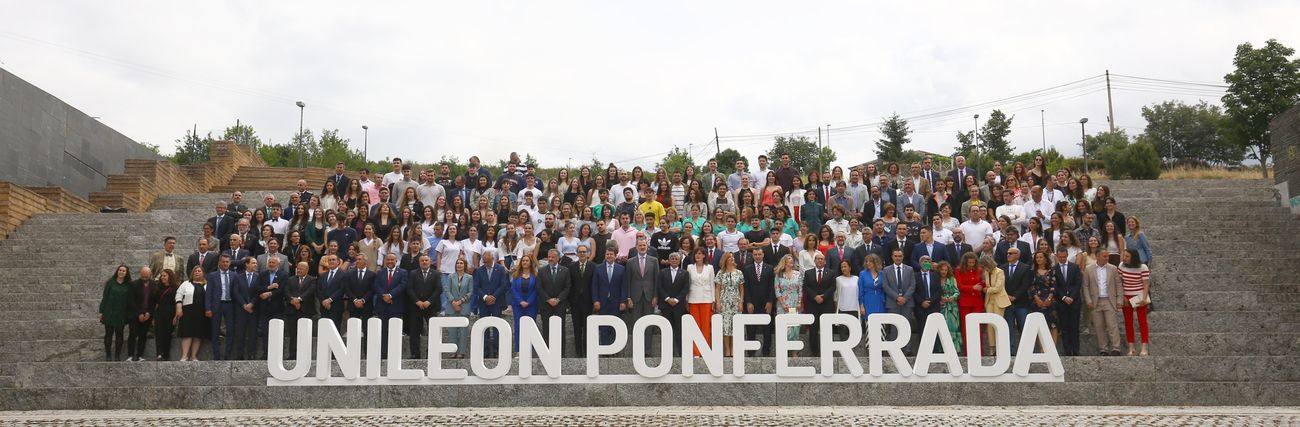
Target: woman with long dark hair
(1136,280)
(164,314)
(114,312)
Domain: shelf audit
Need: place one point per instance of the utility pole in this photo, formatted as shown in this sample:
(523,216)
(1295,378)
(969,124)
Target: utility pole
(716,144)
(828,135)
(1110,106)
(975,147)
(1042,123)
(302,108)
(819,149)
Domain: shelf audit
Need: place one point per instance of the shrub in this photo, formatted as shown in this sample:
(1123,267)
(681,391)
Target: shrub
(1138,160)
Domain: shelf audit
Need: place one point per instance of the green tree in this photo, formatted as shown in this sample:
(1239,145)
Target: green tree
(727,160)
(894,135)
(1137,160)
(804,154)
(1095,144)
(1189,133)
(192,149)
(993,141)
(302,146)
(1265,83)
(677,160)
(242,134)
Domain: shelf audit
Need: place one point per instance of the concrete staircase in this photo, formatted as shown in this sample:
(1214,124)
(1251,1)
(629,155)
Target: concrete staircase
(1226,276)
(271,178)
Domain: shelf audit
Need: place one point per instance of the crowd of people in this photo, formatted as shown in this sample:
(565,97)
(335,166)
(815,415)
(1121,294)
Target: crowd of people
(904,239)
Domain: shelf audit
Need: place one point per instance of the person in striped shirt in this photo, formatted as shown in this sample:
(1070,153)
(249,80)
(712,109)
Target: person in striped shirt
(1135,278)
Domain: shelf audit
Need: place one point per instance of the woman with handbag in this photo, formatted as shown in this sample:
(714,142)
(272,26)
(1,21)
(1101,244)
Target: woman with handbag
(1136,279)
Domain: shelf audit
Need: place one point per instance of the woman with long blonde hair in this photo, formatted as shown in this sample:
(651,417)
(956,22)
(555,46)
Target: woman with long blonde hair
(995,295)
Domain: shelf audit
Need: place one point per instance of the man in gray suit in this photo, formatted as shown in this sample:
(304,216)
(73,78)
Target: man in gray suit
(553,283)
(900,284)
(273,251)
(642,270)
(909,196)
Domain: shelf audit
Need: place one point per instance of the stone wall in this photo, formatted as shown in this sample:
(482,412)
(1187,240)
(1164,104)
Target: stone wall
(1284,131)
(46,142)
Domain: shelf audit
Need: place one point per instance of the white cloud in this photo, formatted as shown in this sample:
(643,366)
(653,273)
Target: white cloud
(617,79)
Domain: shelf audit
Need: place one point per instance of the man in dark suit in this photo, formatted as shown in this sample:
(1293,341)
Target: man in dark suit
(144,294)
(928,248)
(300,303)
(359,292)
(304,197)
(959,173)
(424,299)
(329,291)
(389,290)
(838,253)
(580,298)
(223,223)
(673,284)
(246,313)
(1069,306)
(1010,238)
(491,286)
(712,253)
(858,259)
(223,284)
(237,252)
(760,296)
(928,290)
(607,291)
(773,252)
(900,242)
(340,180)
(819,297)
(959,247)
(553,283)
(1018,277)
(269,297)
(203,257)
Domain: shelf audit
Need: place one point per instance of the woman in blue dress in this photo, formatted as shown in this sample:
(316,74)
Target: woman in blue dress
(871,291)
(523,292)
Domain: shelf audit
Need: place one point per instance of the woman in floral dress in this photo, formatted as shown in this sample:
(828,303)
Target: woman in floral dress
(728,287)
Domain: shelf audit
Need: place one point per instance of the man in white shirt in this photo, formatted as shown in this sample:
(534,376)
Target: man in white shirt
(395,175)
(760,175)
(279,225)
(1011,210)
(616,191)
(429,190)
(976,228)
(730,238)
(1037,206)
(938,232)
(837,223)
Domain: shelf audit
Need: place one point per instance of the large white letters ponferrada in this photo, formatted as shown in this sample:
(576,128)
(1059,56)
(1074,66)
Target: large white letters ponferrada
(935,348)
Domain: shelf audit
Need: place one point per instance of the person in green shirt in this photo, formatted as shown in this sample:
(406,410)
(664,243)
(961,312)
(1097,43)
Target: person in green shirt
(113,311)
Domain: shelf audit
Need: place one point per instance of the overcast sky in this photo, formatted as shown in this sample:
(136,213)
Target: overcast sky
(624,81)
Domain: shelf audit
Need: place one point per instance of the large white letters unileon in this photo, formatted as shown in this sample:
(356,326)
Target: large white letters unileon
(935,348)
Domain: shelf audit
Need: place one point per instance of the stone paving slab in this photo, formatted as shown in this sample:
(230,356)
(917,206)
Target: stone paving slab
(680,416)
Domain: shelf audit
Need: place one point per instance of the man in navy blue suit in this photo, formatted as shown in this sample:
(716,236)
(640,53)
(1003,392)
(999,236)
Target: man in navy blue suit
(269,297)
(1010,239)
(223,285)
(390,297)
(246,313)
(928,290)
(330,292)
(607,291)
(928,247)
(491,285)
(1069,307)
(359,293)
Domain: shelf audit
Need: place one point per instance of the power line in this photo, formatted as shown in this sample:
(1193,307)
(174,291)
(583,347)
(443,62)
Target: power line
(1173,81)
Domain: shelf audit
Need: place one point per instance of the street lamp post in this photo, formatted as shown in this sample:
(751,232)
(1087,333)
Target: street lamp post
(975,145)
(302,111)
(365,138)
(1083,142)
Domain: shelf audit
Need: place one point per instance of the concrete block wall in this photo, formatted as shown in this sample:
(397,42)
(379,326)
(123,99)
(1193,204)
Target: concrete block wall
(1284,133)
(46,142)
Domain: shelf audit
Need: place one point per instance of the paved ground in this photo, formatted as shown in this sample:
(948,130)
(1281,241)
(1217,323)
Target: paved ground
(681,416)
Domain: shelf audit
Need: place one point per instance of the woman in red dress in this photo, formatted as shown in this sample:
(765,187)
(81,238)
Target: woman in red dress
(970,282)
